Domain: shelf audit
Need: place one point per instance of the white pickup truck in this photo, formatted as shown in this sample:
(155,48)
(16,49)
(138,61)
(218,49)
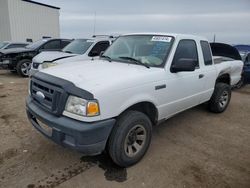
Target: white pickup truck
(112,103)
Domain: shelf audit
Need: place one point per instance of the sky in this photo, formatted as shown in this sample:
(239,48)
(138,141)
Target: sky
(228,20)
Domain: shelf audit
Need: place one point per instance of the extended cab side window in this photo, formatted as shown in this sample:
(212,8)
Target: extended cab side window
(98,48)
(52,45)
(206,51)
(186,49)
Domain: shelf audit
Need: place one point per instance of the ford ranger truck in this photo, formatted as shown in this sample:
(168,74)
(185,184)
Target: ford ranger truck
(114,102)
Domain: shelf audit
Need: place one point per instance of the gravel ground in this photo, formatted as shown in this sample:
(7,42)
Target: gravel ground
(193,149)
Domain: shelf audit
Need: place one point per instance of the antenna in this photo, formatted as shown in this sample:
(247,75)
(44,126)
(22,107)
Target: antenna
(214,37)
(94,23)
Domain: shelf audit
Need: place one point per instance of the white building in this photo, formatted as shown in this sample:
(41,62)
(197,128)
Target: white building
(24,19)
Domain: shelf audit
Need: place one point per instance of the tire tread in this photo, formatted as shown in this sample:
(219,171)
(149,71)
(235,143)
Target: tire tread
(213,102)
(113,148)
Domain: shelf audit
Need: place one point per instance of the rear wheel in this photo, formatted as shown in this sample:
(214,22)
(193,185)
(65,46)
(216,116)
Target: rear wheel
(23,67)
(130,138)
(220,98)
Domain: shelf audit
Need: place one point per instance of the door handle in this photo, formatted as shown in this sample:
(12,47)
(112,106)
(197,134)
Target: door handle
(201,76)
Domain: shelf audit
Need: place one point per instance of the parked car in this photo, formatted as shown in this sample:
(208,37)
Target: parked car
(140,81)
(246,69)
(78,50)
(242,48)
(244,51)
(9,45)
(19,59)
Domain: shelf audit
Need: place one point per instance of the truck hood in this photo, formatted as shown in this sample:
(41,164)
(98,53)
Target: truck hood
(51,56)
(101,75)
(75,58)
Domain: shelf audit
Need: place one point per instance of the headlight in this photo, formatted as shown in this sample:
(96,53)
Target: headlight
(47,65)
(6,61)
(82,107)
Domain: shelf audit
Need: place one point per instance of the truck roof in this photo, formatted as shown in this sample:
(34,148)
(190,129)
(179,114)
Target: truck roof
(175,35)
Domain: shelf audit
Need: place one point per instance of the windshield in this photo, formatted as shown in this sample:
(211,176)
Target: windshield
(3,44)
(36,44)
(78,46)
(151,50)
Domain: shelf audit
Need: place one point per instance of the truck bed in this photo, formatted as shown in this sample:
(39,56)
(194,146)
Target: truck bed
(219,59)
(230,66)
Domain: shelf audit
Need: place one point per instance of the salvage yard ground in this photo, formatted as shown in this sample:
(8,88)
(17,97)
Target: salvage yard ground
(193,149)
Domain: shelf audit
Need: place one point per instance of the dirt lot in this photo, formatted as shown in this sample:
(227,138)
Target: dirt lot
(193,149)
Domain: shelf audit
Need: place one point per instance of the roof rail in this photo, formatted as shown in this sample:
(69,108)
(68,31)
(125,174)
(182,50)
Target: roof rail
(110,36)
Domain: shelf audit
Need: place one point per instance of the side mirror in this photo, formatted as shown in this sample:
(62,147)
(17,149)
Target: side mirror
(93,54)
(184,65)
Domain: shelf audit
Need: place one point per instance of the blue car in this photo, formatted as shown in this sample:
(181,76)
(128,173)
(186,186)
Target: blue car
(246,68)
(244,51)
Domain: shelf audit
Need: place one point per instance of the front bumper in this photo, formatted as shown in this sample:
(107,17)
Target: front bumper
(88,138)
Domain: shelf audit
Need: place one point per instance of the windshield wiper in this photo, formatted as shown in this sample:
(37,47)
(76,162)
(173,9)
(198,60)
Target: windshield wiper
(138,62)
(68,52)
(107,57)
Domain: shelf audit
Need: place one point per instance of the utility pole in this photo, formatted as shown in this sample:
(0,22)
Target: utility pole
(94,23)
(214,37)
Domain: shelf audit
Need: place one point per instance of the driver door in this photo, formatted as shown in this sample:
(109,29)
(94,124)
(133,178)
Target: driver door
(183,89)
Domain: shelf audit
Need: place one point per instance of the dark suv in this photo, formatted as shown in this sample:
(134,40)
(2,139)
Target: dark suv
(19,59)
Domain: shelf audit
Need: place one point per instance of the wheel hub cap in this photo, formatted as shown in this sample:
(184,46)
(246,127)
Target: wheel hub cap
(135,140)
(25,68)
(223,99)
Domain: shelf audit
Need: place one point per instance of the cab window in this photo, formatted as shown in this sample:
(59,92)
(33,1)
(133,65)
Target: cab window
(98,48)
(207,55)
(52,45)
(65,43)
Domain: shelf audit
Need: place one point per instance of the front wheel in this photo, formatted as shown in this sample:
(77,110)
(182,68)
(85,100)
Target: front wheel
(130,138)
(23,67)
(220,98)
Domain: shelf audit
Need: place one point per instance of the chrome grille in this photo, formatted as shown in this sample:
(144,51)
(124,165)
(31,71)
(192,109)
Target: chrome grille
(46,95)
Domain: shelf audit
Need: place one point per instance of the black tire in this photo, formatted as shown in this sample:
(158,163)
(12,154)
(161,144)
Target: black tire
(220,98)
(123,132)
(21,69)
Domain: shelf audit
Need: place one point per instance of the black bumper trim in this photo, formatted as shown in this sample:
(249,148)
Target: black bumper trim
(88,138)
